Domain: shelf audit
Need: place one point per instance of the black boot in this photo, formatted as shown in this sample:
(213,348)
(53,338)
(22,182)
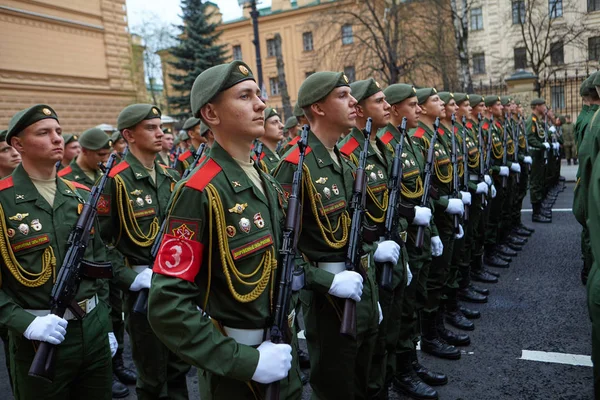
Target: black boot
(526,228)
(569,161)
(480,290)
(513,246)
(432,343)
(451,337)
(482,276)
(469,295)
(408,383)
(124,374)
(456,318)
(489,271)
(119,390)
(521,233)
(504,250)
(429,377)
(471,314)
(516,239)
(537,215)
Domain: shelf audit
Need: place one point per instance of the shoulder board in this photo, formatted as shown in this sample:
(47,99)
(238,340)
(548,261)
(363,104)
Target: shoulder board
(122,166)
(79,185)
(441,131)
(6,183)
(349,147)
(419,132)
(498,124)
(456,129)
(204,175)
(387,137)
(469,125)
(184,156)
(485,125)
(294,155)
(65,171)
(533,119)
(293,141)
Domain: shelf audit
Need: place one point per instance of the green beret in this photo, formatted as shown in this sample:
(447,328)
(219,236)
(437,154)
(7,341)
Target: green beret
(460,97)
(203,129)
(537,101)
(475,99)
(362,90)
(116,136)
(505,100)
(562,119)
(290,123)
(491,100)
(446,96)
(27,117)
(183,135)
(317,86)
(70,137)
(518,102)
(399,92)
(190,123)
(3,135)
(298,112)
(270,112)
(136,113)
(216,80)
(95,139)
(425,93)
(176,141)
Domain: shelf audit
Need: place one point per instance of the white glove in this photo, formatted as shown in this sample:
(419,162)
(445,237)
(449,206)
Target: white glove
(494,192)
(387,251)
(504,171)
(347,285)
(409,275)
(50,328)
(482,188)
(437,247)
(527,160)
(142,280)
(274,362)
(422,216)
(552,129)
(515,167)
(466,198)
(380,313)
(112,342)
(546,145)
(488,179)
(556,146)
(460,233)
(455,206)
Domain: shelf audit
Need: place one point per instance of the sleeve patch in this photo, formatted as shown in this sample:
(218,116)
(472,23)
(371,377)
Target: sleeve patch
(103,207)
(179,258)
(183,228)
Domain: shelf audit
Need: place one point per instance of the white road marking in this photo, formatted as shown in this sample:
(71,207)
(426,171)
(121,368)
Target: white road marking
(553,210)
(556,358)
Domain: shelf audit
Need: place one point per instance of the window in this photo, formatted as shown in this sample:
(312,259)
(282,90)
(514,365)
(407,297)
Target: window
(347,37)
(520,58)
(594,48)
(476,19)
(478,63)
(271,48)
(350,73)
(557,53)
(274,84)
(555,8)
(237,52)
(593,5)
(558,96)
(518,12)
(308,73)
(307,41)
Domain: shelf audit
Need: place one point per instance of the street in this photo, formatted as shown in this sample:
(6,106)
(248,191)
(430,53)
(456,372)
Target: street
(539,305)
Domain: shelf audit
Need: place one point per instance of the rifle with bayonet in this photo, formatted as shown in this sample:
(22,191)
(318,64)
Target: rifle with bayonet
(505,148)
(546,137)
(490,143)
(176,158)
(427,181)
(481,144)
(465,151)
(455,183)
(515,130)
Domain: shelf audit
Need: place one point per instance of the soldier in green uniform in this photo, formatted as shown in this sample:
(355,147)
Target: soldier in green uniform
(300,121)
(290,129)
(37,213)
(568,131)
(212,294)
(119,145)
(273,135)
(72,149)
(164,157)
(538,148)
(193,130)
(130,213)
(591,102)
(339,363)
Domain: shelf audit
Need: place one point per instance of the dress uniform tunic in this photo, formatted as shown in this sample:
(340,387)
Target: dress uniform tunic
(535,136)
(268,160)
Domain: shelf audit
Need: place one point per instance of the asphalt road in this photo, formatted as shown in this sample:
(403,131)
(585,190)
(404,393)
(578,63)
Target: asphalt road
(538,305)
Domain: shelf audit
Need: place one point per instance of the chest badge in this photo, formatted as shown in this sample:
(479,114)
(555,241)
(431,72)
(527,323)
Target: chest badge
(322,180)
(327,192)
(148,199)
(36,225)
(10,232)
(230,231)
(259,221)
(136,192)
(77,176)
(19,216)
(380,174)
(244,225)
(335,189)
(138,175)
(407,163)
(372,176)
(370,167)
(319,161)
(236,184)
(24,229)
(20,197)
(238,208)
(139,201)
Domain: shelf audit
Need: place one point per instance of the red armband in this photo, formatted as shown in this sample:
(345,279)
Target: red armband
(179,258)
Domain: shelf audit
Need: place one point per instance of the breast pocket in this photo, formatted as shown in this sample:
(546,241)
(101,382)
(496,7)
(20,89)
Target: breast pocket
(248,235)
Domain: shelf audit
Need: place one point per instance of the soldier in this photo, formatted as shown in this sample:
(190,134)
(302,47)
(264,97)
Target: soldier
(72,150)
(193,131)
(291,128)
(569,140)
(130,215)
(538,147)
(119,144)
(218,259)
(273,135)
(164,157)
(37,212)
(325,98)
(591,102)
(208,135)
(9,157)
(301,121)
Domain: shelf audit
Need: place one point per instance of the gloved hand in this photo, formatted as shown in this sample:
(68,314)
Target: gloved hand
(142,281)
(387,251)
(274,362)
(466,198)
(546,145)
(380,313)
(347,285)
(482,187)
(422,216)
(488,179)
(527,160)
(552,129)
(455,206)
(504,171)
(112,342)
(515,167)
(556,146)
(493,188)
(409,275)
(50,328)
(460,233)
(437,247)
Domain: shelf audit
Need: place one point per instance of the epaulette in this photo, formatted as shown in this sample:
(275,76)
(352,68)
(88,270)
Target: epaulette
(204,175)
(387,137)
(349,147)
(294,156)
(79,185)
(184,156)
(441,131)
(122,166)
(65,171)
(485,125)
(419,132)
(293,141)
(469,125)
(6,183)
(498,124)
(456,129)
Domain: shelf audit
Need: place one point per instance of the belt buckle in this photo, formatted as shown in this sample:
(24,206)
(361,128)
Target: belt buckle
(83,305)
(403,236)
(365,261)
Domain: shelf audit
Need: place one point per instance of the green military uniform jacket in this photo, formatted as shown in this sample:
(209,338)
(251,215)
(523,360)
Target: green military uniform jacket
(535,133)
(185,159)
(33,237)
(590,146)
(475,157)
(497,152)
(583,121)
(288,145)
(268,159)
(73,172)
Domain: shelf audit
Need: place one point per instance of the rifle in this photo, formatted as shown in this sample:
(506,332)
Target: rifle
(279,146)
(465,150)
(357,205)
(522,125)
(490,141)
(72,271)
(482,169)
(291,278)
(546,137)
(454,161)
(391,217)
(176,158)
(515,129)
(504,153)
(427,183)
(140,305)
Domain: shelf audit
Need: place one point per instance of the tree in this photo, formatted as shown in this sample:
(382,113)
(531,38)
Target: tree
(195,52)
(285,96)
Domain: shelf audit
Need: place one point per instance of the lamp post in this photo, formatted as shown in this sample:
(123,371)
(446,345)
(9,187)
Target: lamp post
(254,15)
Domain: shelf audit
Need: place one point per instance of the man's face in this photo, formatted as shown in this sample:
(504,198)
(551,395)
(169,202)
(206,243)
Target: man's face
(94,157)
(465,109)
(9,158)
(293,131)
(340,108)
(146,135)
(410,109)
(194,133)
(434,107)
(497,109)
(120,145)
(377,108)
(479,109)
(41,142)
(72,150)
(451,108)
(273,129)
(520,109)
(167,142)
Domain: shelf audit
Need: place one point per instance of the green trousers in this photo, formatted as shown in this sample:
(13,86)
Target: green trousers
(83,362)
(537,177)
(586,250)
(506,221)
(116,313)
(593,290)
(441,273)
(5,342)
(467,246)
(492,229)
(160,372)
(520,194)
